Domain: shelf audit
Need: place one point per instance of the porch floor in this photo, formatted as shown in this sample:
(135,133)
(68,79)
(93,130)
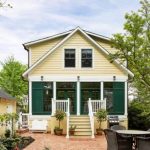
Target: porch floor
(54,142)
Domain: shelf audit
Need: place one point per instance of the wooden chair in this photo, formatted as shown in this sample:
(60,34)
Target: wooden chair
(143,143)
(117,127)
(116,141)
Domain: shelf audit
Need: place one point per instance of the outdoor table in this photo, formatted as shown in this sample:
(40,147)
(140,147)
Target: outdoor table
(133,133)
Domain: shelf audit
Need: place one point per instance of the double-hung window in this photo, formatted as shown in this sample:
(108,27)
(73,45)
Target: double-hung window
(86,58)
(69,58)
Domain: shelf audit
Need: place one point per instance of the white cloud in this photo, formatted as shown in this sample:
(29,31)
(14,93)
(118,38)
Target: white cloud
(32,19)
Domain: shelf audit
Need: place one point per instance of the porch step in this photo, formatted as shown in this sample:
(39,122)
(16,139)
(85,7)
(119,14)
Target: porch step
(83,127)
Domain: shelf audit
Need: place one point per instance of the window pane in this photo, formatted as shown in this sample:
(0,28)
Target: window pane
(108,94)
(86,58)
(86,62)
(69,58)
(47,96)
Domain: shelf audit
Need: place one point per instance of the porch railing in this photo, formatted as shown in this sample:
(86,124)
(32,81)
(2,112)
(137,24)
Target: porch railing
(94,106)
(63,105)
(91,117)
(98,104)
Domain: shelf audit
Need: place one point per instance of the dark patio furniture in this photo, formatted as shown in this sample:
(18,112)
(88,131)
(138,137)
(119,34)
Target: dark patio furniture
(117,127)
(116,141)
(125,142)
(143,143)
(111,139)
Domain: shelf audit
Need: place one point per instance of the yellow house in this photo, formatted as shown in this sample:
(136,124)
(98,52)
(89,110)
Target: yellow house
(7,105)
(71,71)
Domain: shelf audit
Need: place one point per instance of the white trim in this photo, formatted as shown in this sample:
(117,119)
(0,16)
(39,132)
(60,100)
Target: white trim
(69,47)
(62,34)
(102,89)
(107,53)
(49,52)
(97,35)
(78,97)
(65,39)
(39,117)
(47,38)
(30,56)
(30,98)
(86,68)
(74,78)
(126,99)
(54,89)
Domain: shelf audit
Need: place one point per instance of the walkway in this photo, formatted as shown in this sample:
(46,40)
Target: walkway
(54,142)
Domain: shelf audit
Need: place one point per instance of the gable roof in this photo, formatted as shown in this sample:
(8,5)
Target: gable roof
(5,95)
(27,44)
(65,39)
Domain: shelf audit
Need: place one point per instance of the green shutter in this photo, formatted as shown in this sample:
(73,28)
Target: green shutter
(37,98)
(118,98)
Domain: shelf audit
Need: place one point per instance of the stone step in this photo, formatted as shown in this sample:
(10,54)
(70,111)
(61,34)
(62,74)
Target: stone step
(83,133)
(79,123)
(83,129)
(80,137)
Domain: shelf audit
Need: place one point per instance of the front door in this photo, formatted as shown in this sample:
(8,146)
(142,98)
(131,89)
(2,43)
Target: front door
(88,90)
(67,90)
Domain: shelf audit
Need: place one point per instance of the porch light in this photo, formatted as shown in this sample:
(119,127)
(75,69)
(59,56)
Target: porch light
(42,78)
(78,78)
(114,78)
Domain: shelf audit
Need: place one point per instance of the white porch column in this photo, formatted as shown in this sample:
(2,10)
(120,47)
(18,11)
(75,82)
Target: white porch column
(54,98)
(30,97)
(126,99)
(78,97)
(102,90)
(54,90)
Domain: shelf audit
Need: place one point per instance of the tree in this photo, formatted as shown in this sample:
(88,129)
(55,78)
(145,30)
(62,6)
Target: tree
(11,78)
(4,4)
(134,48)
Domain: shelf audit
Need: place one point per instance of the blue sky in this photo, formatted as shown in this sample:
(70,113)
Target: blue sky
(33,19)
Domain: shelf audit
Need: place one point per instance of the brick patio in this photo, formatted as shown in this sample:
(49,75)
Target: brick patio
(61,143)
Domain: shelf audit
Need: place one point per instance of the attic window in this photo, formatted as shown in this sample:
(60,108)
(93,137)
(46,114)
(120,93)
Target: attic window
(86,60)
(69,58)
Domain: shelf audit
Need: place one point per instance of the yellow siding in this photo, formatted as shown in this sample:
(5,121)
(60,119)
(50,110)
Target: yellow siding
(40,49)
(4,103)
(105,44)
(54,63)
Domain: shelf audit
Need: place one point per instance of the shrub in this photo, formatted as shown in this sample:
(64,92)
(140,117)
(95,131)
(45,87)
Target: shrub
(101,115)
(60,115)
(139,115)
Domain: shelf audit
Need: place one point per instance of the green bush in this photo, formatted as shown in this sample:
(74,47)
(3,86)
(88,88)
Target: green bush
(60,115)
(139,115)
(101,115)
(7,133)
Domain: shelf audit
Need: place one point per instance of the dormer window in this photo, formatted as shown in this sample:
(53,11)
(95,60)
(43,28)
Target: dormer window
(86,58)
(69,58)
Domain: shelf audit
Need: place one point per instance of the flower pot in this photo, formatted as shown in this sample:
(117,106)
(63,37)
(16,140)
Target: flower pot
(99,131)
(58,131)
(71,132)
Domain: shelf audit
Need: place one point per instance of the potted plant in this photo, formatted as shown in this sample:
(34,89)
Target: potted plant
(101,115)
(72,129)
(60,115)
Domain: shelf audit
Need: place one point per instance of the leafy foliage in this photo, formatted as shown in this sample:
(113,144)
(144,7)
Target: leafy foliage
(9,119)
(139,115)
(134,48)
(4,4)
(11,78)
(101,115)
(60,115)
